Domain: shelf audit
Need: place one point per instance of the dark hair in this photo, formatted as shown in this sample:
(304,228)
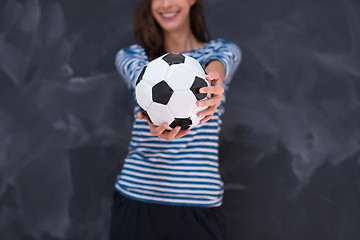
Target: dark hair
(150,36)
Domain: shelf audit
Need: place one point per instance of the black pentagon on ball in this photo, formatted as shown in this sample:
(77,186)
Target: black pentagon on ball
(174,58)
(198,83)
(146,114)
(184,123)
(161,92)
(140,76)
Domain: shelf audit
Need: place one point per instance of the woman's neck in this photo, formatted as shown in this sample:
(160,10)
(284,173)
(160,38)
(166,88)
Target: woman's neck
(177,42)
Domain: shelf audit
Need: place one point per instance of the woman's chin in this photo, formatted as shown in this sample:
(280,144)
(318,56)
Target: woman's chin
(170,28)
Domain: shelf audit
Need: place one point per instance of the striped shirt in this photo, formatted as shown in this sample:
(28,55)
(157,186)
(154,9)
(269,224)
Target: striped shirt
(183,171)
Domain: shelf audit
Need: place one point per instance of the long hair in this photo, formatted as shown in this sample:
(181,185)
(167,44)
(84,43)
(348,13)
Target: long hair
(150,36)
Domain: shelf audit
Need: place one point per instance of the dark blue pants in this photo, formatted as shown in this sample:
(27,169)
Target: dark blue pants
(135,220)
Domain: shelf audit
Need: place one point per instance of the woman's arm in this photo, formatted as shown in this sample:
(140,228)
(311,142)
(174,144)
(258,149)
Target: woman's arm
(216,77)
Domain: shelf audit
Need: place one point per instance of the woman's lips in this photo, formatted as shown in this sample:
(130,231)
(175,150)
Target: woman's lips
(168,16)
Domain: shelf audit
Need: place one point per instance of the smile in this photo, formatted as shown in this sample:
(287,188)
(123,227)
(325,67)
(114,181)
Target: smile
(169,15)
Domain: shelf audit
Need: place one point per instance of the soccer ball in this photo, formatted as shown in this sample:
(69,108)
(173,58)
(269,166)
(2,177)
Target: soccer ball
(167,90)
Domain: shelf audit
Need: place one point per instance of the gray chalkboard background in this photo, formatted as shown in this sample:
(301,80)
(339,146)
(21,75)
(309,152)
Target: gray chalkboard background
(290,145)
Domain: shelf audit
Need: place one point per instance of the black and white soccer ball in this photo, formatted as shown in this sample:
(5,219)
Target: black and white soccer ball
(167,90)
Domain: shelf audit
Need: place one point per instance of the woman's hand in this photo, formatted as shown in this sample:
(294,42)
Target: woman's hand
(161,132)
(216,89)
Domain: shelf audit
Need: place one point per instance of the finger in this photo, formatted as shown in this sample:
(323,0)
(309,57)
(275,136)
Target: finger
(158,130)
(212,76)
(140,115)
(209,111)
(205,119)
(214,101)
(173,133)
(183,133)
(216,90)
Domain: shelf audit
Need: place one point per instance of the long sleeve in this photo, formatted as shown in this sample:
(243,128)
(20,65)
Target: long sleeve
(230,55)
(129,63)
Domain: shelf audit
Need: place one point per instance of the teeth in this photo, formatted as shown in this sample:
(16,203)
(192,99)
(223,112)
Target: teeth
(169,14)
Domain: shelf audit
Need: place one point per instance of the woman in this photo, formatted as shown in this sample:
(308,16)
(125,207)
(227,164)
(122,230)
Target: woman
(169,186)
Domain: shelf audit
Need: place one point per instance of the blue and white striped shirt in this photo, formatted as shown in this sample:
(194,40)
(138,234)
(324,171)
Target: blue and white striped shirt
(183,171)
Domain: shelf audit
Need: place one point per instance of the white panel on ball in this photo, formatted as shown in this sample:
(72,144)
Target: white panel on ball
(155,71)
(194,117)
(196,66)
(180,77)
(159,114)
(182,103)
(143,94)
